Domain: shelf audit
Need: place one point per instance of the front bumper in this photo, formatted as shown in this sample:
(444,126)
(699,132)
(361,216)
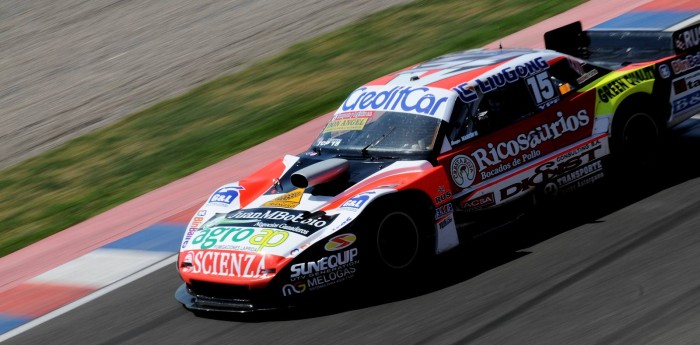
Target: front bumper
(198,302)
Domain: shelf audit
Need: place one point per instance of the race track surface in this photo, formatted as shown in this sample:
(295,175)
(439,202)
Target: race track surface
(616,264)
(71,66)
(615,268)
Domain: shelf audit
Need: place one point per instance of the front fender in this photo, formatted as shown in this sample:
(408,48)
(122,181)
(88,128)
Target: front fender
(401,176)
(417,180)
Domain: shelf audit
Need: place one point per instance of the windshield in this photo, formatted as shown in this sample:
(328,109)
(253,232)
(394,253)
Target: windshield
(366,132)
(622,47)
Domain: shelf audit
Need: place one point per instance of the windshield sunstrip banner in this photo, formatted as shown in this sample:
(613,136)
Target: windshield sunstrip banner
(422,100)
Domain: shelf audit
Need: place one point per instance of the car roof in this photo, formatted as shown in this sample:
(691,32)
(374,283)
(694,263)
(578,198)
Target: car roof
(450,70)
(657,15)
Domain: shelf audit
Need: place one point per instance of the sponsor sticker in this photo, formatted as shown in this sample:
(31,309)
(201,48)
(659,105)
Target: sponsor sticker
(463,171)
(466,91)
(288,200)
(686,63)
(496,158)
(349,121)
(238,238)
(446,233)
(340,242)
(299,222)
(442,197)
(443,210)
(581,176)
(192,228)
(414,100)
(621,84)
(345,222)
(290,289)
(547,172)
(329,142)
(225,264)
(294,252)
(687,39)
(685,103)
(224,196)
(479,202)
(326,271)
(357,201)
(679,86)
(585,77)
(330,262)
(686,83)
(445,222)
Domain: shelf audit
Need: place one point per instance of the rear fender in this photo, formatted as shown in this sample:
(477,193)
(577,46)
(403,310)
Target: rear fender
(614,88)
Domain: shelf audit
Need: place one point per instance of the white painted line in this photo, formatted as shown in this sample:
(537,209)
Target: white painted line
(99,293)
(100,267)
(116,56)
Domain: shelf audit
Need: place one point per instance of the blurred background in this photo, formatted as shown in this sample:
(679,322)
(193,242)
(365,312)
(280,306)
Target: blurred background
(70,67)
(103,101)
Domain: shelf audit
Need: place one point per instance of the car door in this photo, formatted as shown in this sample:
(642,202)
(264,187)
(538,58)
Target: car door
(510,136)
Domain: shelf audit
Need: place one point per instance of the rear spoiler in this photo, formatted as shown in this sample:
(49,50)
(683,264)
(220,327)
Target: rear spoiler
(571,39)
(568,39)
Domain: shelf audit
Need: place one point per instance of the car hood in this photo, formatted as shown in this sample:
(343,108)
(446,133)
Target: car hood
(249,231)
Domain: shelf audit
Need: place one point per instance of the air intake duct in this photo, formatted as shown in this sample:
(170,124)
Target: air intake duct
(321,172)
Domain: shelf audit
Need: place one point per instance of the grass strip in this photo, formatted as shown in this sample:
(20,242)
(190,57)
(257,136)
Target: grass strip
(180,136)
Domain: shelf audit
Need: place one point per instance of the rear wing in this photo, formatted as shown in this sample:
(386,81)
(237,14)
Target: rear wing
(573,40)
(568,39)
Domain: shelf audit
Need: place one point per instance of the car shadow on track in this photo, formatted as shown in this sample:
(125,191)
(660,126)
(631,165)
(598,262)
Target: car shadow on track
(510,243)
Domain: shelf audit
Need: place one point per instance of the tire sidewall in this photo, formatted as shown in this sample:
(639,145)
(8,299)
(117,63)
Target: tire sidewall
(379,228)
(635,141)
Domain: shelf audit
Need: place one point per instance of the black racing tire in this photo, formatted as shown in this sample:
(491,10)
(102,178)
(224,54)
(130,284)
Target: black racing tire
(396,241)
(545,195)
(394,225)
(635,142)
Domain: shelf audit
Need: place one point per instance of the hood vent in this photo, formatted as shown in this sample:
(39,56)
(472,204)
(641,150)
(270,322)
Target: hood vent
(318,173)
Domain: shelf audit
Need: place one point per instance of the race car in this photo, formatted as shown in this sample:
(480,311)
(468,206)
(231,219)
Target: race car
(412,164)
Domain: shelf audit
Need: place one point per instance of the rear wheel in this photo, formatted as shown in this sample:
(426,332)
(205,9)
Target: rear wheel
(635,142)
(638,137)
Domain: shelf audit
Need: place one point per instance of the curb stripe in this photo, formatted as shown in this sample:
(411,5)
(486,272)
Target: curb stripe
(100,267)
(159,238)
(9,322)
(30,300)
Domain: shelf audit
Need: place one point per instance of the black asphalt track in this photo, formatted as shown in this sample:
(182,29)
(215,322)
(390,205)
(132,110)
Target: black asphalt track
(615,264)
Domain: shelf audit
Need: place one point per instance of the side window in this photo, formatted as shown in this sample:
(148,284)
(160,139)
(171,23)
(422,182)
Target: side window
(559,80)
(462,123)
(504,106)
(565,72)
(575,73)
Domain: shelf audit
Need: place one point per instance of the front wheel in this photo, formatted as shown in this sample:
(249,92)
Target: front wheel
(395,241)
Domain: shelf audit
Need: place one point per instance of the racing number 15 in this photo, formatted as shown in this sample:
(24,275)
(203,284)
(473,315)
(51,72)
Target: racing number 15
(541,87)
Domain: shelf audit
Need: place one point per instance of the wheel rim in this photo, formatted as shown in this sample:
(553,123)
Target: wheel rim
(397,240)
(639,137)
